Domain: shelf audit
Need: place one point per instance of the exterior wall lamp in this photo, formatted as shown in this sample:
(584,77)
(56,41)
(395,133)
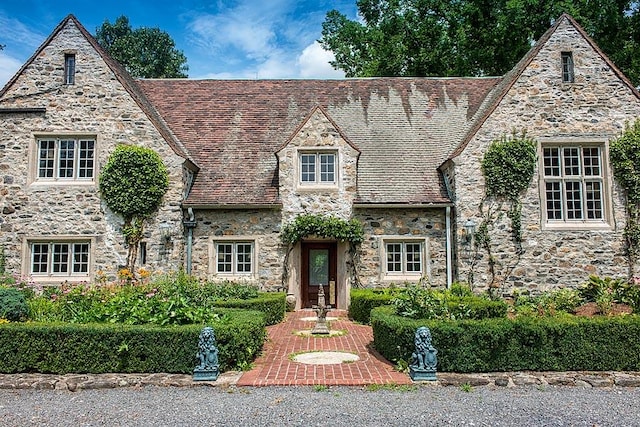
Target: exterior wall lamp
(469,231)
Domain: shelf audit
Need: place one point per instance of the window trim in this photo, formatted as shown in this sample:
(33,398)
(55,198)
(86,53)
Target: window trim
(567,67)
(317,152)
(69,68)
(605,223)
(56,179)
(234,241)
(58,277)
(404,275)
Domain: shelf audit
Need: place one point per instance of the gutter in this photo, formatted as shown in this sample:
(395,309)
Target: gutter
(189,224)
(449,244)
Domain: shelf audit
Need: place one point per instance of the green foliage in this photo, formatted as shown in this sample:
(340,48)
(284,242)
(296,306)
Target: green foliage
(13,306)
(144,52)
(133,181)
(624,153)
(469,38)
(420,303)
(132,184)
(508,166)
(175,299)
(102,348)
(322,226)
(364,300)
(606,291)
(547,304)
(568,343)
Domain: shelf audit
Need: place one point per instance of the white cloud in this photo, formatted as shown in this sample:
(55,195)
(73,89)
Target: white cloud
(314,63)
(8,67)
(15,32)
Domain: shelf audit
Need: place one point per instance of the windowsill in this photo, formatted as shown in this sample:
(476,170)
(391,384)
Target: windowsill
(386,277)
(577,226)
(62,183)
(315,188)
(230,276)
(57,280)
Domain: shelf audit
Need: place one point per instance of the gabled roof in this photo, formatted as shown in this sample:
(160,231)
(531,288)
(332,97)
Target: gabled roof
(121,74)
(403,127)
(499,92)
(322,111)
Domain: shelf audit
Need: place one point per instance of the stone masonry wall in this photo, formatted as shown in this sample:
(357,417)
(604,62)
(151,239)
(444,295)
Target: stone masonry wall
(260,225)
(96,105)
(594,108)
(318,132)
(402,223)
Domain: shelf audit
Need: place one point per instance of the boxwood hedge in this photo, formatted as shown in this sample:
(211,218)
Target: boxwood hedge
(102,348)
(272,304)
(565,343)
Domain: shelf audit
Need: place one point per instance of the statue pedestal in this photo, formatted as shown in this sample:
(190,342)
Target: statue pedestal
(205,375)
(418,374)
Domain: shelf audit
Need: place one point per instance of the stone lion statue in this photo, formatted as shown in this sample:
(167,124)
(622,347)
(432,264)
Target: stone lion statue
(424,356)
(207,355)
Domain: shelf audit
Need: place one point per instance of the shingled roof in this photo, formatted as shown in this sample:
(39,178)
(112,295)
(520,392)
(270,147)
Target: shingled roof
(404,128)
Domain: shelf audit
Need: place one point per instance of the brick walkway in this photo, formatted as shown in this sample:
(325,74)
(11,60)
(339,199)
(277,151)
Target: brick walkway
(274,366)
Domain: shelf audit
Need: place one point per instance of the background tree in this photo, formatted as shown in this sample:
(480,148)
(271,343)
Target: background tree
(144,52)
(132,184)
(470,37)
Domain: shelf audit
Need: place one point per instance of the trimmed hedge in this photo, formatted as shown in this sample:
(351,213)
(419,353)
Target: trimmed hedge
(568,343)
(365,300)
(272,304)
(102,348)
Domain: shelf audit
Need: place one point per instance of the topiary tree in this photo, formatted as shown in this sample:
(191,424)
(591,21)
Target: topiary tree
(132,184)
(624,153)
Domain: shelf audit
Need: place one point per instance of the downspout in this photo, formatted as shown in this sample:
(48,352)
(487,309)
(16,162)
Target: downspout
(449,245)
(189,224)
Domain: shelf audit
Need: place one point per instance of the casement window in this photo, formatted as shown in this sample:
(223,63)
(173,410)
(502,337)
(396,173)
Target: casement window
(63,258)
(317,167)
(65,159)
(567,67)
(69,69)
(234,258)
(574,185)
(404,258)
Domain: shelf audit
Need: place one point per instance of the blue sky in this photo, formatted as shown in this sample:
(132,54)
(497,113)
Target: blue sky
(238,39)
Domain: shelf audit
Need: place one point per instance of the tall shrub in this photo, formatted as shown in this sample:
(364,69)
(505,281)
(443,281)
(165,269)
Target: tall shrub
(132,184)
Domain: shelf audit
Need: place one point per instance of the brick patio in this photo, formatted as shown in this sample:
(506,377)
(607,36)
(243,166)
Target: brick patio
(274,366)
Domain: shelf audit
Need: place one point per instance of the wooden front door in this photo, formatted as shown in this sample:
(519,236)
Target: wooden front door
(319,269)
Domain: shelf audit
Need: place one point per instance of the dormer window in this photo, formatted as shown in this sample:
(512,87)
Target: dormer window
(318,168)
(69,68)
(567,67)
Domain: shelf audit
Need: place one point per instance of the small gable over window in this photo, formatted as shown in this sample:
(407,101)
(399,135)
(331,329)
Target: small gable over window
(567,67)
(69,68)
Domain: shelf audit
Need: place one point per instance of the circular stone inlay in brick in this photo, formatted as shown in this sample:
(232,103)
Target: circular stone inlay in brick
(325,358)
(332,333)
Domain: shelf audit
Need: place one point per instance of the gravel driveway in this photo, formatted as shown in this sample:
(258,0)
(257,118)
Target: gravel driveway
(319,406)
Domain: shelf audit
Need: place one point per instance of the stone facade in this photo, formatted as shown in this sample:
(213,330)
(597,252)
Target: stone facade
(593,109)
(388,137)
(96,106)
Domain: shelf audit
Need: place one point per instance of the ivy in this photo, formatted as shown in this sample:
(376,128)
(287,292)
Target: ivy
(132,184)
(508,167)
(329,227)
(624,154)
(322,226)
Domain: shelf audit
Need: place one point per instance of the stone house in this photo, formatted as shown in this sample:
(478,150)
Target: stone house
(245,158)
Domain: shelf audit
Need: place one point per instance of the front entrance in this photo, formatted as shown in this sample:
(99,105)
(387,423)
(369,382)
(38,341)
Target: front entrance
(319,261)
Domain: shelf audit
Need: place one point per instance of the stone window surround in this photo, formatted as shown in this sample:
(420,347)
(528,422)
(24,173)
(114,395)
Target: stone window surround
(69,67)
(213,254)
(606,222)
(55,279)
(34,180)
(315,186)
(567,67)
(390,277)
